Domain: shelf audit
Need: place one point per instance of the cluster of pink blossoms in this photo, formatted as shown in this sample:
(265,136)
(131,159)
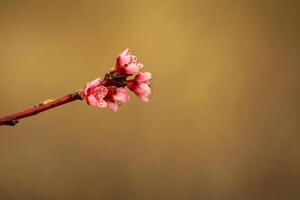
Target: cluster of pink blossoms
(110,91)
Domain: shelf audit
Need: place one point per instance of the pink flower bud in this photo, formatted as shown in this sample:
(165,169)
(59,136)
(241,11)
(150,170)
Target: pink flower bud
(127,64)
(141,86)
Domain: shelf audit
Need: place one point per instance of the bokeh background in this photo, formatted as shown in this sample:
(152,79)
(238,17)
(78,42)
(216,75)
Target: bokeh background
(223,123)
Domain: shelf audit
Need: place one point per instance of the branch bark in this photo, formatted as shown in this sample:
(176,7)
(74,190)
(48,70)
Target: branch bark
(13,119)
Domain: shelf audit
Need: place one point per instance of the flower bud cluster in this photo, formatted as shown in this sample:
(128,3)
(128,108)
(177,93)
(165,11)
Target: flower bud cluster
(110,91)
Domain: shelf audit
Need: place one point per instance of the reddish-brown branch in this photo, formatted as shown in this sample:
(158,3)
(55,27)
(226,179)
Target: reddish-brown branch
(13,119)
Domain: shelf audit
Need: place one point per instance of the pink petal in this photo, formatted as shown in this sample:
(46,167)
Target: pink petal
(112,106)
(123,58)
(121,95)
(92,84)
(132,69)
(144,98)
(143,89)
(91,100)
(125,52)
(101,103)
(100,91)
(143,77)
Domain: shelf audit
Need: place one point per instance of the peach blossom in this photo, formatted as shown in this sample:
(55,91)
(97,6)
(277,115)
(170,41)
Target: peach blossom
(141,86)
(118,97)
(127,64)
(94,93)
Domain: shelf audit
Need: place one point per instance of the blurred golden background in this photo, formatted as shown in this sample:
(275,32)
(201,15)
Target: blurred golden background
(223,123)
